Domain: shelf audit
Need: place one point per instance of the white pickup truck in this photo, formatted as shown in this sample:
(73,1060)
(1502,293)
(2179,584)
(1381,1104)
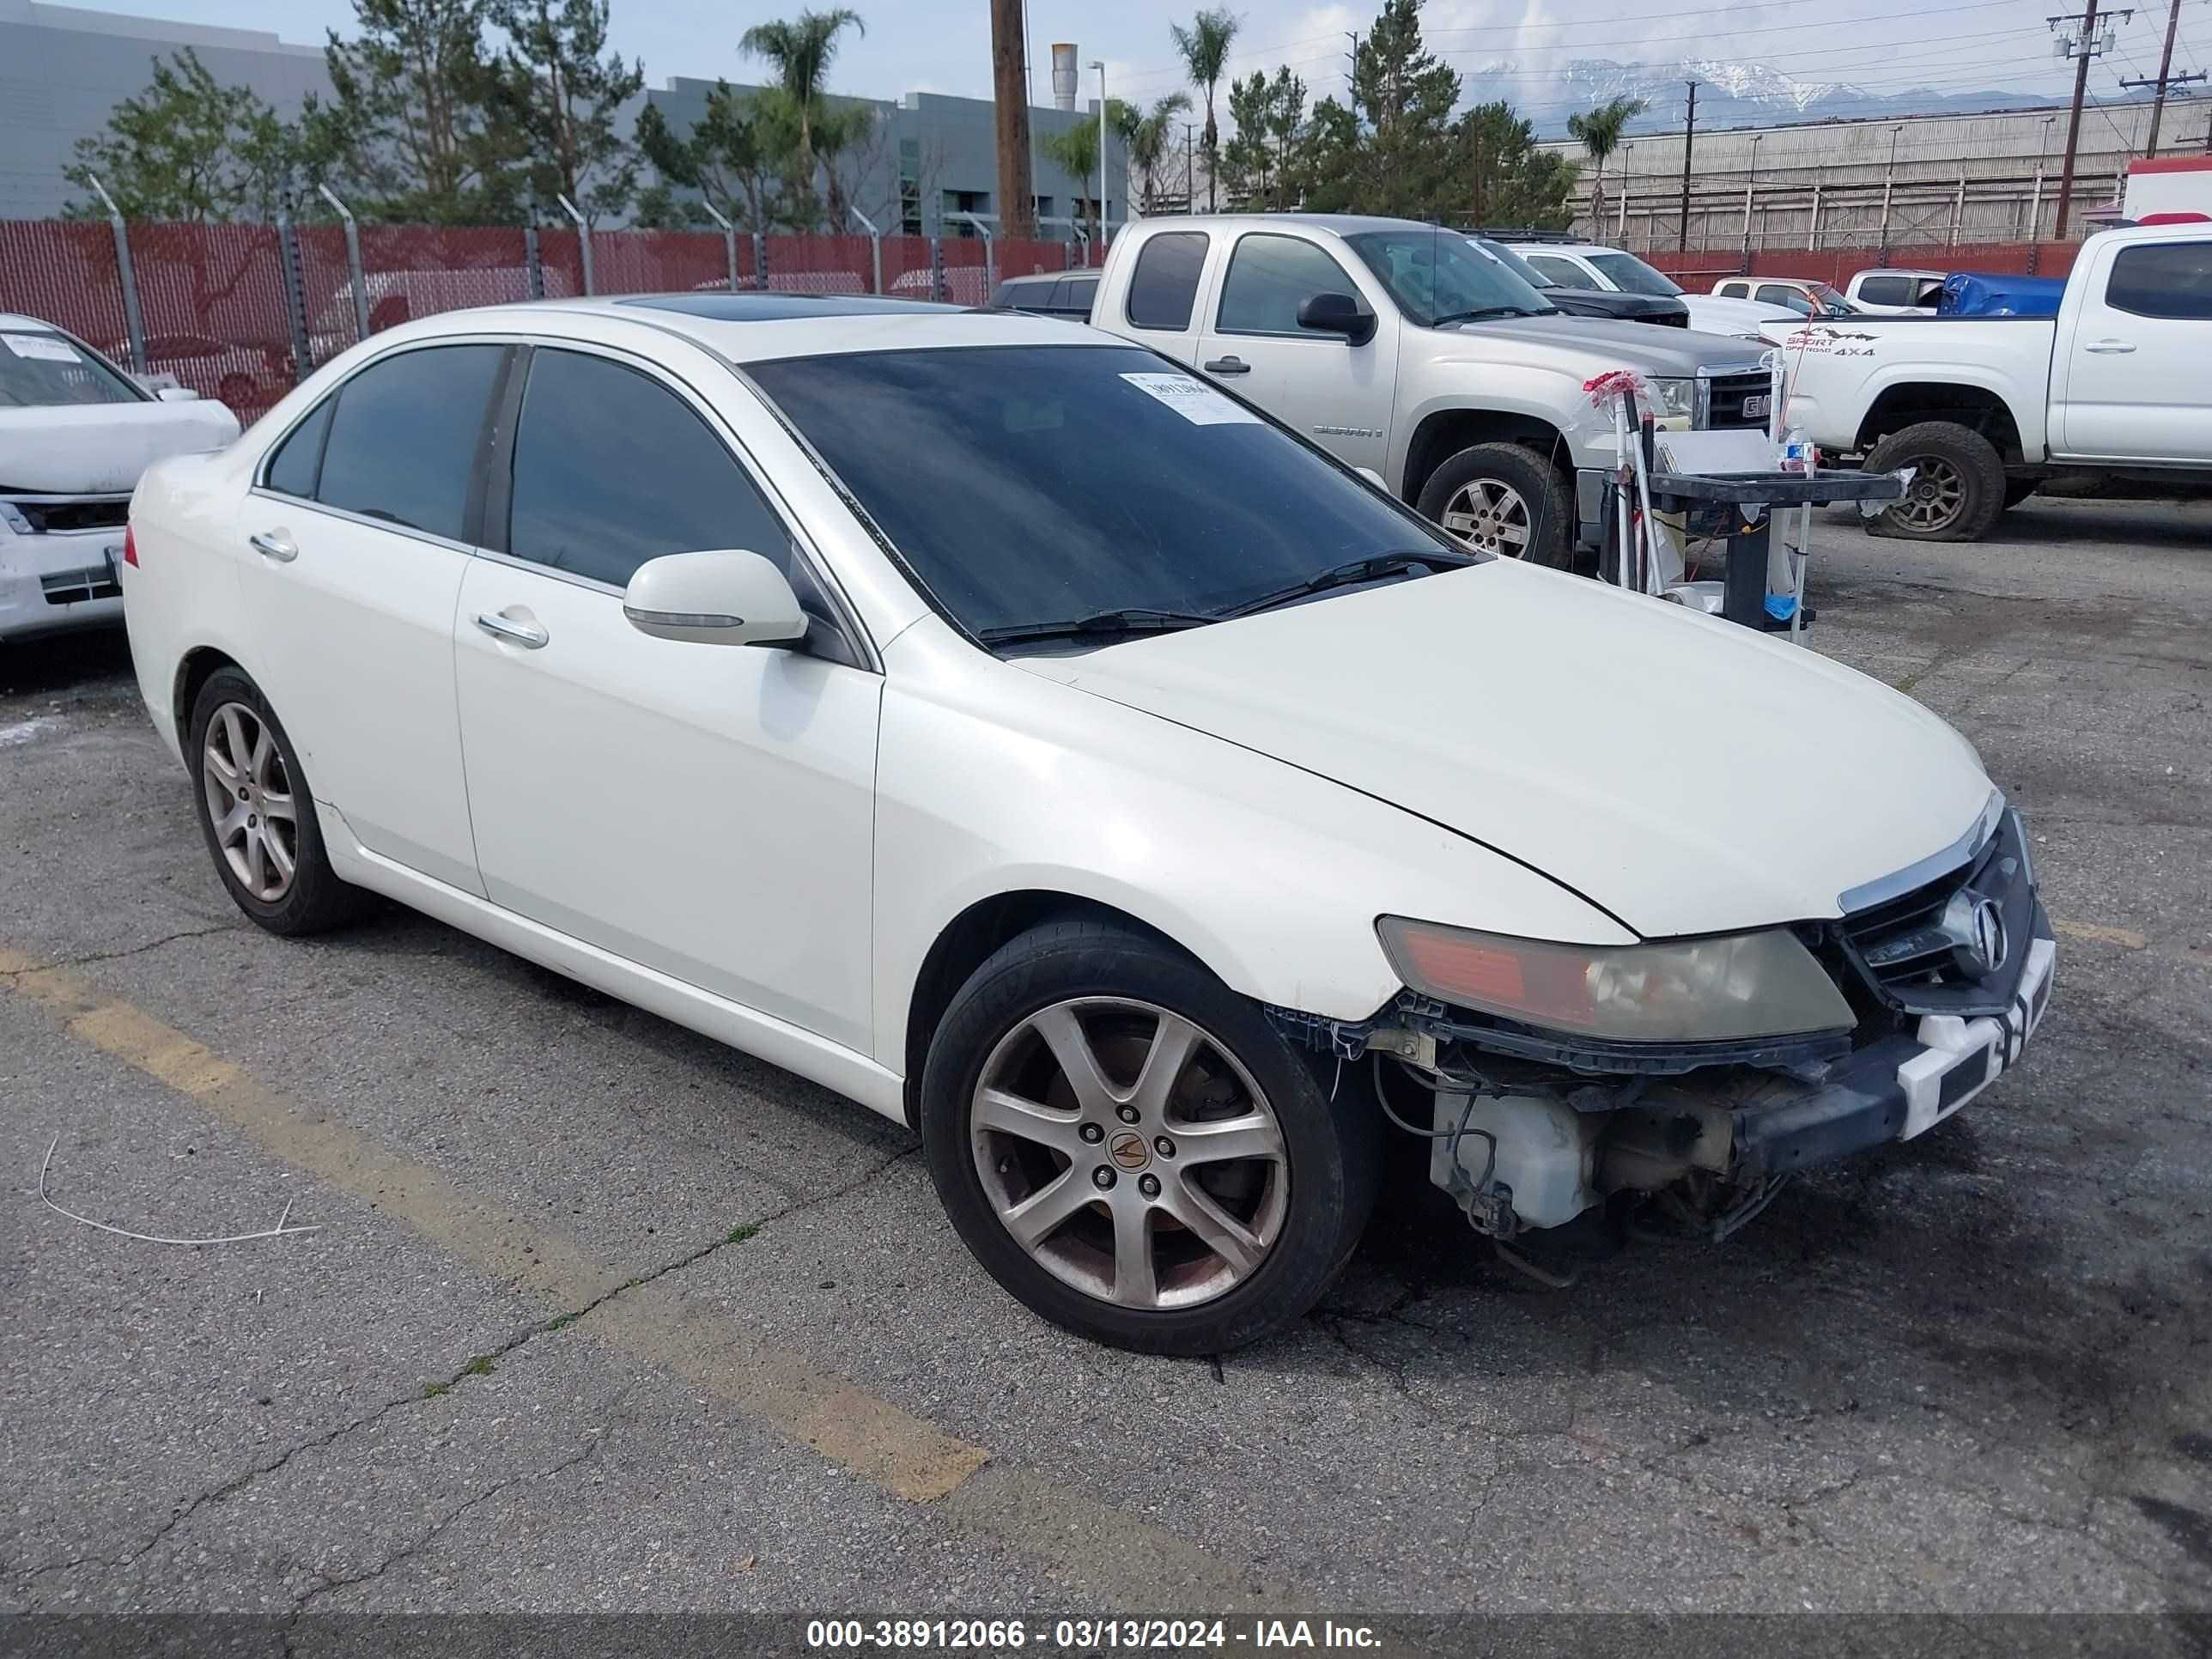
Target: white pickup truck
(2107,398)
(1404,351)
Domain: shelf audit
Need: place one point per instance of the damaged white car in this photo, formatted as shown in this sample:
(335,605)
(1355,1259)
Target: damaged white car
(995,722)
(75,433)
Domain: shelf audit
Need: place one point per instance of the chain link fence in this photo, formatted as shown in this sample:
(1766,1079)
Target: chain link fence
(240,312)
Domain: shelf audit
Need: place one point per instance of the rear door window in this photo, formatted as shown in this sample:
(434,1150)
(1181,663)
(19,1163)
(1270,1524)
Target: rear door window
(2163,279)
(612,468)
(404,438)
(1164,288)
(297,465)
(1776,294)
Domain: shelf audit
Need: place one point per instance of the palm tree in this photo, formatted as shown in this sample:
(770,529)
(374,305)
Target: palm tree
(1600,131)
(1148,139)
(1075,150)
(1205,49)
(801,51)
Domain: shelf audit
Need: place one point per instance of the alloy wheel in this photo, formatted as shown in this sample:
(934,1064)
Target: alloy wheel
(1937,496)
(250,802)
(1489,515)
(1129,1153)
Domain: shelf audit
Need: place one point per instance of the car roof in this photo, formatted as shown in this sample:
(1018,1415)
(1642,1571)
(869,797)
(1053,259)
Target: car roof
(1896,271)
(1340,224)
(760,327)
(20,322)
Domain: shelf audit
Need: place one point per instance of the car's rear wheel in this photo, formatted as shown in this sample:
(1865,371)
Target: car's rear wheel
(1958,487)
(1503,499)
(257,814)
(1131,1148)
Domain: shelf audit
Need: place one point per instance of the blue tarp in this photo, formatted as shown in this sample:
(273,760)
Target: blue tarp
(1965,294)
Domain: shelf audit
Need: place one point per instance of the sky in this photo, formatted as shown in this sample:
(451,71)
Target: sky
(1885,46)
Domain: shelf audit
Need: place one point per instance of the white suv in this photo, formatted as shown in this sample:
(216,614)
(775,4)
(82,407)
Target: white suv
(1589,265)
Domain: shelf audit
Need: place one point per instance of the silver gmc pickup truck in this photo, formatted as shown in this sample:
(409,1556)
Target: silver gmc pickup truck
(1403,350)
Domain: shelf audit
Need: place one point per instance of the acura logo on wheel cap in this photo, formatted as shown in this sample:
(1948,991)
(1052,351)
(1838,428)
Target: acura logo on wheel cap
(1975,926)
(1128,1150)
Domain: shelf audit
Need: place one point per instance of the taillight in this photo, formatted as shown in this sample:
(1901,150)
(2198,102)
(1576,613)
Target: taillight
(130,547)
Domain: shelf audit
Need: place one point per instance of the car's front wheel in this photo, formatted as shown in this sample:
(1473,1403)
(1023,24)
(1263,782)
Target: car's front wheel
(1505,499)
(257,814)
(1132,1149)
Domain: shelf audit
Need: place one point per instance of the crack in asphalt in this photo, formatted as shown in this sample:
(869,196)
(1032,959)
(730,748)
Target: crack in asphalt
(597,1443)
(118,956)
(476,1365)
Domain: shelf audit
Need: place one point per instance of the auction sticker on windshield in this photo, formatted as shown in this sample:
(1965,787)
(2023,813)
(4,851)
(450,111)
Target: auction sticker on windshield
(1195,401)
(42,346)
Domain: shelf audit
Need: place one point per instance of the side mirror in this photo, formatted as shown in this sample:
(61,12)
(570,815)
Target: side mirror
(176,394)
(714,599)
(1337,313)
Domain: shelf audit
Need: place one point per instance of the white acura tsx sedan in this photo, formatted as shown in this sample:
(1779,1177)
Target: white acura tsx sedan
(994,722)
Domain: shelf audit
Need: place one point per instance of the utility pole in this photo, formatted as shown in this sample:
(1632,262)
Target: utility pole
(2081,48)
(2167,78)
(1689,135)
(1010,96)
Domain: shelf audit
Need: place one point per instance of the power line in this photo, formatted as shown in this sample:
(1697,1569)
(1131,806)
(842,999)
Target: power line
(2166,78)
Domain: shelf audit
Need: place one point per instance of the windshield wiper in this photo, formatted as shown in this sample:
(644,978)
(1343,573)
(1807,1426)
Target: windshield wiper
(1484,312)
(1135,619)
(1345,575)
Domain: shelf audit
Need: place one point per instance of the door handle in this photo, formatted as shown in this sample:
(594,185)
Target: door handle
(2109,348)
(274,544)
(528,635)
(1229,365)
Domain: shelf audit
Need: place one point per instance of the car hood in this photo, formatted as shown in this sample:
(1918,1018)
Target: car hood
(1716,312)
(100,449)
(1599,343)
(1684,774)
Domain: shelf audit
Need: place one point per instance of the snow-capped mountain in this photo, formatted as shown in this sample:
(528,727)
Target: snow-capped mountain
(1730,94)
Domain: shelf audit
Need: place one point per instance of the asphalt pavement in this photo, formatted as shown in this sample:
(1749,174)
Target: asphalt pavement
(599,1317)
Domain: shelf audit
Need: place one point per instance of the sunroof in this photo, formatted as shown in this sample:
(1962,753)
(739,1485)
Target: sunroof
(775,307)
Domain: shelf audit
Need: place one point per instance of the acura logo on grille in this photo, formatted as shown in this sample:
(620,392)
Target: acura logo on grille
(1975,926)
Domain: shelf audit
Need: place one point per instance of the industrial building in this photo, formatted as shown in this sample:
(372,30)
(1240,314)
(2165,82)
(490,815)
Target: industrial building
(1925,179)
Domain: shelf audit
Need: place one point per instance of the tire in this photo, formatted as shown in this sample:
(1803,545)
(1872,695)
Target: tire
(231,714)
(1480,488)
(1959,486)
(1301,1200)
(2019,489)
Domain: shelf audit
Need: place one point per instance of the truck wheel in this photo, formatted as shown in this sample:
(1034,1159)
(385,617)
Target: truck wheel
(1503,499)
(1958,484)
(1133,1151)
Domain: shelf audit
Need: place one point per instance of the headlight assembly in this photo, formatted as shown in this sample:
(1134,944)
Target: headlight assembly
(1675,397)
(1708,990)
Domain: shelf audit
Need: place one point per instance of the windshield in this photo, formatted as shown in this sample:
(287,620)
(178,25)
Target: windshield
(1831,301)
(1436,278)
(1632,275)
(1512,261)
(1030,485)
(42,369)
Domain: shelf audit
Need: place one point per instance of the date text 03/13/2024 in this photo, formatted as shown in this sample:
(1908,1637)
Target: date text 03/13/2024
(1169,1635)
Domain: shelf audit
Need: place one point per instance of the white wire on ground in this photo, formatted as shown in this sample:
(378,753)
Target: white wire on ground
(280,1231)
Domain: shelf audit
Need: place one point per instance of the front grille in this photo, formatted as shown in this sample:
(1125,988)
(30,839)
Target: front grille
(1913,950)
(1731,394)
(75,587)
(57,514)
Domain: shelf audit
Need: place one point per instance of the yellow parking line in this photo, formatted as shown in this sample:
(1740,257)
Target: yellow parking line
(895,1450)
(2097,933)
